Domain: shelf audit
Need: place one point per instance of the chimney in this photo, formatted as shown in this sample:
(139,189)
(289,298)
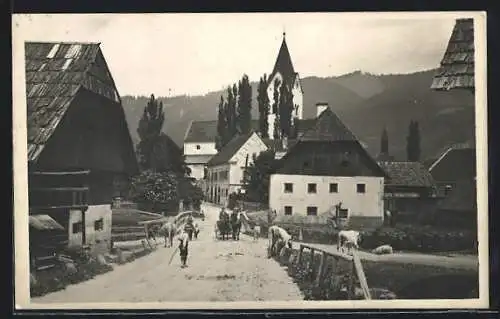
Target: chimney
(320,107)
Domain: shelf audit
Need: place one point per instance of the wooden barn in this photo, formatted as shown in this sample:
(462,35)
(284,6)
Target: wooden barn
(79,146)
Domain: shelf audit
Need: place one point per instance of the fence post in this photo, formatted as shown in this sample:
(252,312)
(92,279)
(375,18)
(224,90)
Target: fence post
(350,285)
(300,254)
(313,251)
(322,264)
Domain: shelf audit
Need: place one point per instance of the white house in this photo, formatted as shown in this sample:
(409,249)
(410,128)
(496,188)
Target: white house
(225,170)
(284,72)
(199,146)
(326,166)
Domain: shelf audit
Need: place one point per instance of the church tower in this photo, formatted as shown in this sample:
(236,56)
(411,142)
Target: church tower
(284,73)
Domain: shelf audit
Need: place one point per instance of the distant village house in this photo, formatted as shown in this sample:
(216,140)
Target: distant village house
(226,169)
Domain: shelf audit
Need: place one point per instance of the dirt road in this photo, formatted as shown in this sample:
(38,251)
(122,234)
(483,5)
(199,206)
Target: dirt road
(218,271)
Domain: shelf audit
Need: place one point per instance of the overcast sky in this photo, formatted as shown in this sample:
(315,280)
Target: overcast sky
(198,53)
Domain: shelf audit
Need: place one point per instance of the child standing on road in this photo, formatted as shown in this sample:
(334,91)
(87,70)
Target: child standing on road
(183,248)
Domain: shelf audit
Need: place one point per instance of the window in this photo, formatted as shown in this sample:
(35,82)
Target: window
(334,188)
(361,188)
(76,228)
(198,147)
(311,188)
(288,210)
(288,188)
(99,225)
(312,210)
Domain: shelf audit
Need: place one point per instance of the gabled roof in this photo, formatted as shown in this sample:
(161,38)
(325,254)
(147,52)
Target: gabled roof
(328,127)
(457,66)
(44,222)
(410,174)
(284,64)
(455,164)
(206,131)
(55,72)
(197,159)
(231,148)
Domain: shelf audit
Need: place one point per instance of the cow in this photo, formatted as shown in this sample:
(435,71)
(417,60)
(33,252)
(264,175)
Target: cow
(347,240)
(168,230)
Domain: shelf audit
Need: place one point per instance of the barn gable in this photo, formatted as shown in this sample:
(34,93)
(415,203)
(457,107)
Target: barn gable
(56,74)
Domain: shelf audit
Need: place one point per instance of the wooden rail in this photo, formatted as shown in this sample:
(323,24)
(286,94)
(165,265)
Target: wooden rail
(355,271)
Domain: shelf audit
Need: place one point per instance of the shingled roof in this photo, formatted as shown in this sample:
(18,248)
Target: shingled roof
(328,127)
(229,149)
(455,164)
(410,174)
(206,131)
(55,72)
(457,66)
(284,64)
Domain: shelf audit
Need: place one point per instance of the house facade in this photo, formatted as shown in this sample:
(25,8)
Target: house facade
(199,146)
(284,73)
(325,167)
(225,171)
(79,144)
(410,191)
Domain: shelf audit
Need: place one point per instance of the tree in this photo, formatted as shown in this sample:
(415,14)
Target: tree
(276,131)
(263,101)
(221,138)
(154,187)
(285,109)
(257,175)
(231,113)
(296,128)
(149,130)
(384,142)
(413,142)
(244,119)
(276,96)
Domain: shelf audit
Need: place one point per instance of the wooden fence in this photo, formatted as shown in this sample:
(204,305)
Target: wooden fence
(318,270)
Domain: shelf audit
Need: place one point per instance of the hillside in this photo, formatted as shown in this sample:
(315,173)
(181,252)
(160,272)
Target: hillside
(366,103)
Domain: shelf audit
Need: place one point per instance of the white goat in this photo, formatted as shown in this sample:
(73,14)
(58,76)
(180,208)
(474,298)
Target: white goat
(347,240)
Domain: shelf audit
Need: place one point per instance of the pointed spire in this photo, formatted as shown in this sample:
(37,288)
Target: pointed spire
(284,63)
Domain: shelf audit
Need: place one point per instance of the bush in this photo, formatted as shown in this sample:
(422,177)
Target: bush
(419,239)
(59,278)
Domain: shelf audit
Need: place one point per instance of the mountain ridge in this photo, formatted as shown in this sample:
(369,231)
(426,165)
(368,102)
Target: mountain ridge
(364,101)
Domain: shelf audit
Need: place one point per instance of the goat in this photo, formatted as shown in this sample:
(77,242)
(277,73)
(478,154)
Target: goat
(347,240)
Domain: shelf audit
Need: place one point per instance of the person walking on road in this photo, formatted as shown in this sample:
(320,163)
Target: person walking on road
(183,248)
(189,228)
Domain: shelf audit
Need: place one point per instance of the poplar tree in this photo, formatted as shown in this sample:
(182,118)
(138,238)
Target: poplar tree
(244,118)
(263,102)
(221,137)
(384,142)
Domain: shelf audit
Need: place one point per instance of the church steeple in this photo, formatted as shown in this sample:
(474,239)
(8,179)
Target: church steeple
(284,63)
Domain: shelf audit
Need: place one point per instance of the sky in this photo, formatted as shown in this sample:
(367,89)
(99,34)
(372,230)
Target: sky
(192,54)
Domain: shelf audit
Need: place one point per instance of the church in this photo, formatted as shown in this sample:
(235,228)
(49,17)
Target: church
(284,74)
(199,139)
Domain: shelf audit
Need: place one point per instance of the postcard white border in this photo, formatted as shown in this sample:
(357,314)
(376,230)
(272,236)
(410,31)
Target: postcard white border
(22,299)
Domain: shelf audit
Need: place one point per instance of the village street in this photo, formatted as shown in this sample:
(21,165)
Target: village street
(218,271)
